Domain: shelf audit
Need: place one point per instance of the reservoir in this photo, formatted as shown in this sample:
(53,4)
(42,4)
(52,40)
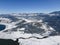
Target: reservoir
(2,27)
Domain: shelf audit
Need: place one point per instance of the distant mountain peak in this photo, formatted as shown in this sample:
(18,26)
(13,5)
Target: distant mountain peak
(55,12)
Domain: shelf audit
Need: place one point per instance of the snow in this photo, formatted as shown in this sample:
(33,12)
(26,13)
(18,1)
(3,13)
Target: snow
(17,34)
(8,26)
(51,40)
(54,40)
(21,29)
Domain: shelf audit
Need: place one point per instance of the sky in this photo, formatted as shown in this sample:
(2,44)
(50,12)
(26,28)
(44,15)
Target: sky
(29,6)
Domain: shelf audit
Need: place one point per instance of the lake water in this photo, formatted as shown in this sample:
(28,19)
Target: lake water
(2,27)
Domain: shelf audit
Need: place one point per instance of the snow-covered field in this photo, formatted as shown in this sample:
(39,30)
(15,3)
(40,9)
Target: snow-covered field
(54,40)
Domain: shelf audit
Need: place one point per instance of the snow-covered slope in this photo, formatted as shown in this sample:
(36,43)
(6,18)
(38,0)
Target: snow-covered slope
(54,40)
(30,30)
(26,29)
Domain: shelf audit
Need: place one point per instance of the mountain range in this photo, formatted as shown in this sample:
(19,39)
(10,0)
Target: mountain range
(30,25)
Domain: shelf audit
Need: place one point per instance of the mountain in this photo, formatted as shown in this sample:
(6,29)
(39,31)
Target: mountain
(30,27)
(30,21)
(56,13)
(54,20)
